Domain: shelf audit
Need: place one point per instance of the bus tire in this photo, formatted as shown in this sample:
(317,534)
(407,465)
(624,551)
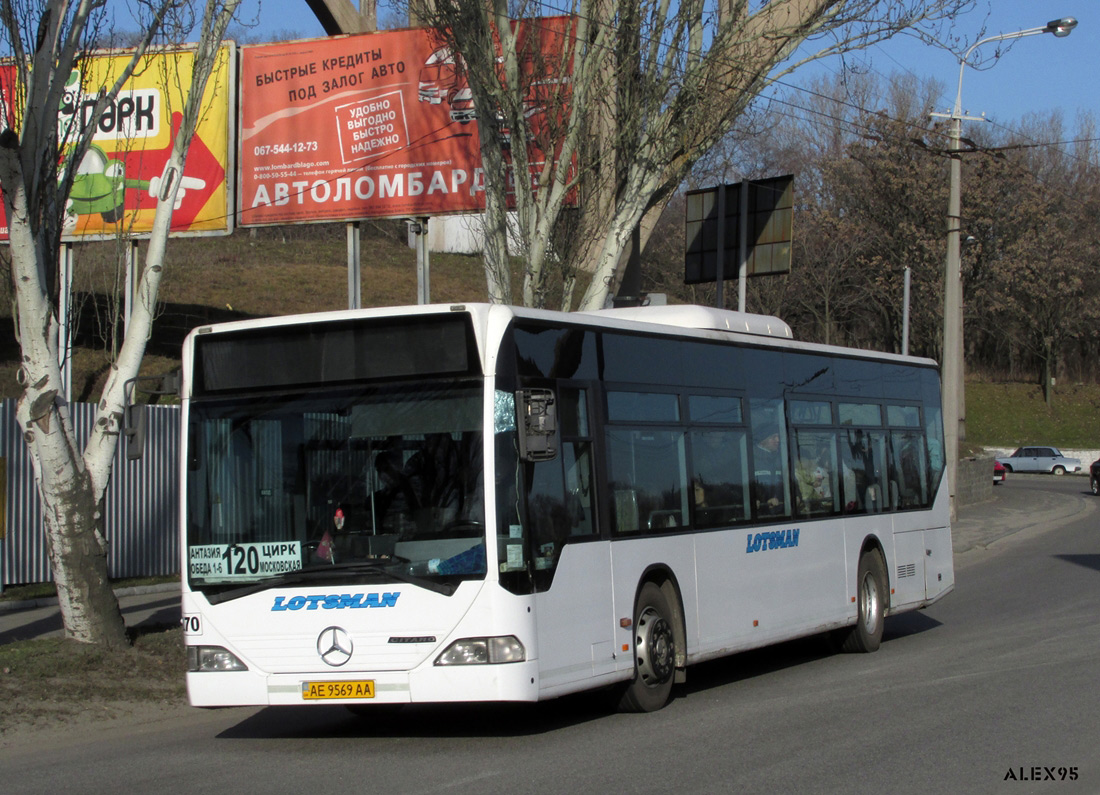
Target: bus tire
(654,653)
(866,635)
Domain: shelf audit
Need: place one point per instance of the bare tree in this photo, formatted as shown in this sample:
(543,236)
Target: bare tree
(652,87)
(1033,279)
(49,40)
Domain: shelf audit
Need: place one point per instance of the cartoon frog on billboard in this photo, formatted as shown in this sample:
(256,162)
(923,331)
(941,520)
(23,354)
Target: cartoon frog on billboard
(100,184)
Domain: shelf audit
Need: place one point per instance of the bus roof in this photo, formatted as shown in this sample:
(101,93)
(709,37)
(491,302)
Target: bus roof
(701,317)
(693,319)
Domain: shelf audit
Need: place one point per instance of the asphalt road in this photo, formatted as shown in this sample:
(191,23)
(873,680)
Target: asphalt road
(994,684)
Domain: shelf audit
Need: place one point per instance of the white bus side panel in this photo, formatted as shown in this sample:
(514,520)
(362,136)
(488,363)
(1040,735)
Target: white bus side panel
(922,568)
(939,569)
(906,569)
(768,583)
(629,561)
(577,623)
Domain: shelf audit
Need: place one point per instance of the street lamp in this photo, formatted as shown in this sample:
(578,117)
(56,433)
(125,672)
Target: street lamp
(952,366)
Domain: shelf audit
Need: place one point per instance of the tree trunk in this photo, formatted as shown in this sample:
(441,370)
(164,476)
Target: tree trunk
(78,557)
(72,481)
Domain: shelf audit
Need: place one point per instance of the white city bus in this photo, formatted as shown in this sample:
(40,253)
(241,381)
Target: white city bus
(487,503)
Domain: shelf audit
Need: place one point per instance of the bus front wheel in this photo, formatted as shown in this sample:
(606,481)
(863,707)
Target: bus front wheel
(866,635)
(654,653)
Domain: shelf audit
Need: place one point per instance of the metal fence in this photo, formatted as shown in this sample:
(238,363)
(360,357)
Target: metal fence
(142,522)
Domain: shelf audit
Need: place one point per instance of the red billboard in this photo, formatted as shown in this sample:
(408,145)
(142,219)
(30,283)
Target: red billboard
(362,126)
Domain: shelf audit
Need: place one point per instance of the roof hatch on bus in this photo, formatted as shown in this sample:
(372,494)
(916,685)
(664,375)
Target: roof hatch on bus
(701,317)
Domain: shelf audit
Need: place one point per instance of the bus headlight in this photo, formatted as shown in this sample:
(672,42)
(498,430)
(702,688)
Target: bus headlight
(213,658)
(482,651)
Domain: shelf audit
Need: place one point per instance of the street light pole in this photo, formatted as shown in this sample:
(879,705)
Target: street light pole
(953,364)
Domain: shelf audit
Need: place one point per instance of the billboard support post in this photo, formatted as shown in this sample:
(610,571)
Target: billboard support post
(64,332)
(743,246)
(418,227)
(355,281)
(720,264)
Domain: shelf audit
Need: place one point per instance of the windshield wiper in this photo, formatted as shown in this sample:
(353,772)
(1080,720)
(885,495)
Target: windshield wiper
(326,571)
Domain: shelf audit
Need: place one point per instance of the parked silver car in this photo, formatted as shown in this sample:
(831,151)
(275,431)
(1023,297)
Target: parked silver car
(1040,459)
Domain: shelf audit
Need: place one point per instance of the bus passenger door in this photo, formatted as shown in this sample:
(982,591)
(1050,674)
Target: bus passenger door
(574,617)
(572,566)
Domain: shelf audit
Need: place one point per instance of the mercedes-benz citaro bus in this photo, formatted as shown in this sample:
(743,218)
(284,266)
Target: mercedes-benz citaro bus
(488,503)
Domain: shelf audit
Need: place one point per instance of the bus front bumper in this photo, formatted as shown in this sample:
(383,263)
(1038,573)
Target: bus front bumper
(432,684)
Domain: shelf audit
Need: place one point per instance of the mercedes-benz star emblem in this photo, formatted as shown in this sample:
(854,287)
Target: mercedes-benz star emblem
(334,645)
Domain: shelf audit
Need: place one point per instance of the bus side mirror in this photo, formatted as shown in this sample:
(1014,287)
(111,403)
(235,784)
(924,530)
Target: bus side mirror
(134,414)
(134,430)
(537,421)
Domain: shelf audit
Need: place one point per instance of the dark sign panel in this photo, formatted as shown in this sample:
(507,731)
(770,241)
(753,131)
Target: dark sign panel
(713,223)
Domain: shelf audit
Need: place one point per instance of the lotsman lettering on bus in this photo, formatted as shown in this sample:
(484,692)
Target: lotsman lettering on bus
(335,601)
(776,539)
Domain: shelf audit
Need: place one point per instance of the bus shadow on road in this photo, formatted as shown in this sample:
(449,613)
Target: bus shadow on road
(423,720)
(772,659)
(1091,561)
(908,624)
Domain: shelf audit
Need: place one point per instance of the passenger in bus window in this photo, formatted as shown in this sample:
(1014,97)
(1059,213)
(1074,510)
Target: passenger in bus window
(908,451)
(767,479)
(815,473)
(437,468)
(700,493)
(813,480)
(396,501)
(856,466)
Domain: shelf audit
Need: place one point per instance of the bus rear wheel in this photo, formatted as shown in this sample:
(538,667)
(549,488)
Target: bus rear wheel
(866,635)
(654,653)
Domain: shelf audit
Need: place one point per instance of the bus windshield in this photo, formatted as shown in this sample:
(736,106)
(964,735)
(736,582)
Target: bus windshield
(387,476)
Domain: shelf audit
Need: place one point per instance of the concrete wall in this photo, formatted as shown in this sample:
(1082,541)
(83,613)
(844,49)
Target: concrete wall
(975,480)
(461,234)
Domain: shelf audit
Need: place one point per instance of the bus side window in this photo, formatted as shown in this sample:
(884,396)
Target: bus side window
(559,505)
(547,513)
(866,487)
(816,472)
(577,457)
(648,479)
(909,468)
(771,495)
(720,483)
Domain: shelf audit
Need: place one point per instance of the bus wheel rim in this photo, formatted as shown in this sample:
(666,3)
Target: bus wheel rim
(869,603)
(654,648)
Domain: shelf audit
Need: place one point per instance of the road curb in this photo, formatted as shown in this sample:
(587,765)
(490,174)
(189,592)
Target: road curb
(984,525)
(48,601)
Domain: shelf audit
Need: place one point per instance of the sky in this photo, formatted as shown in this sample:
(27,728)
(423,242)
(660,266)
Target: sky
(1037,74)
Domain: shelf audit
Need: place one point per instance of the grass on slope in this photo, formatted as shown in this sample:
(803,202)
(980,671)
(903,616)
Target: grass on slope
(1013,414)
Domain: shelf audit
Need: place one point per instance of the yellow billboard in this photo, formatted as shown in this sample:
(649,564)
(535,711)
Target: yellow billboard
(118,179)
